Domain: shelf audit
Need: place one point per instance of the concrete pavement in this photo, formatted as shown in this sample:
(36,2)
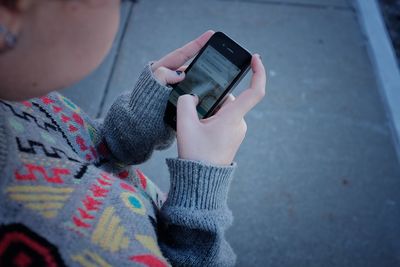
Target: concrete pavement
(318,182)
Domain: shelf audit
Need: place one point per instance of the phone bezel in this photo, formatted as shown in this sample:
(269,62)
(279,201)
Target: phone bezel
(230,50)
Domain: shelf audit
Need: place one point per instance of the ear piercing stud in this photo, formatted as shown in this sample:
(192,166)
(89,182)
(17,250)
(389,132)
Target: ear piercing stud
(9,38)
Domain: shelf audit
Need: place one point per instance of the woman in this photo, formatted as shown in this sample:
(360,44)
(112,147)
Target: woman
(61,203)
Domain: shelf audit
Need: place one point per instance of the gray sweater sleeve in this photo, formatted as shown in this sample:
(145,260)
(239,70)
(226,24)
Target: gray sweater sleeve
(193,220)
(134,125)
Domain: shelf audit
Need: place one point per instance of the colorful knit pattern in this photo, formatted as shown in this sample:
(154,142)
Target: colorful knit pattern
(70,196)
(20,246)
(54,176)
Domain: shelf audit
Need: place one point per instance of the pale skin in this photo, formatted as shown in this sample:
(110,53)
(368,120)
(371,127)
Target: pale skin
(62,41)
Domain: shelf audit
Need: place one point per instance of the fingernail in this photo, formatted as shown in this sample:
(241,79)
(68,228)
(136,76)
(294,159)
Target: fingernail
(178,72)
(259,57)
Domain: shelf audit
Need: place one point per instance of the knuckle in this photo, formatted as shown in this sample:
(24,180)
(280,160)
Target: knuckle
(183,55)
(161,72)
(157,72)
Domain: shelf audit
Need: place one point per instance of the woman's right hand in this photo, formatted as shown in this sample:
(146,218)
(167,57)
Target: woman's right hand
(215,140)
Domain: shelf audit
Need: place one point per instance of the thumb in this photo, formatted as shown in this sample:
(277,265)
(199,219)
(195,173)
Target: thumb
(186,110)
(167,76)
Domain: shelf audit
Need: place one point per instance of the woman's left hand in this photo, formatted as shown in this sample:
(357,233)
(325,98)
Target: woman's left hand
(165,69)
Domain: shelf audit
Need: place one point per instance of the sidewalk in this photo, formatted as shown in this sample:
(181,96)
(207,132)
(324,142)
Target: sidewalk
(318,182)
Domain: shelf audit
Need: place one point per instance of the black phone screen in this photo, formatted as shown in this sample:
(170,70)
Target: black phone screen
(207,78)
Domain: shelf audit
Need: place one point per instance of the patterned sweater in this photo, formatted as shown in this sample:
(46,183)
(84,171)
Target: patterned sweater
(70,196)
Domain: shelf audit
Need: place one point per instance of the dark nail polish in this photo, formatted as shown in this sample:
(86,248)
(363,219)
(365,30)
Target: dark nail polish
(178,72)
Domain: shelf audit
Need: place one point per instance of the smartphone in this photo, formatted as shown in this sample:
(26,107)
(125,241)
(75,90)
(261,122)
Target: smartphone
(212,75)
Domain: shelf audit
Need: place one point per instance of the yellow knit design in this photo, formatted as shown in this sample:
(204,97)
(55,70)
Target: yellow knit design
(45,200)
(90,259)
(109,234)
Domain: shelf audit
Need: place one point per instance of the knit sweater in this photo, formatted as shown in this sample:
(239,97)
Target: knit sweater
(70,195)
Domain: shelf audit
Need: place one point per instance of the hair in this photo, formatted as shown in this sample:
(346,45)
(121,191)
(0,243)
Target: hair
(10,4)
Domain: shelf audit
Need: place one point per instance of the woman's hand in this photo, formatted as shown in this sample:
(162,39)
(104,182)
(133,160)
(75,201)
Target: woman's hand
(216,139)
(165,69)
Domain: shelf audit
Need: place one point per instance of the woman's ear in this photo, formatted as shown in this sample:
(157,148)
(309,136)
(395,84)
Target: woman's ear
(11,13)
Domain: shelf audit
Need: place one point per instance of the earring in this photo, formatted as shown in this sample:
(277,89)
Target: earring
(9,38)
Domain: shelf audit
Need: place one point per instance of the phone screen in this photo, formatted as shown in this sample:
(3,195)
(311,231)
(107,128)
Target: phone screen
(207,78)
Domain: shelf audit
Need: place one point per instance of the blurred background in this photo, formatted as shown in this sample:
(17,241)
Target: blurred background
(318,180)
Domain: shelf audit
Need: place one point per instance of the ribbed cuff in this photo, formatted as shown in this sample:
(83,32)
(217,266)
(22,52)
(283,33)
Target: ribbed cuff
(148,95)
(197,185)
